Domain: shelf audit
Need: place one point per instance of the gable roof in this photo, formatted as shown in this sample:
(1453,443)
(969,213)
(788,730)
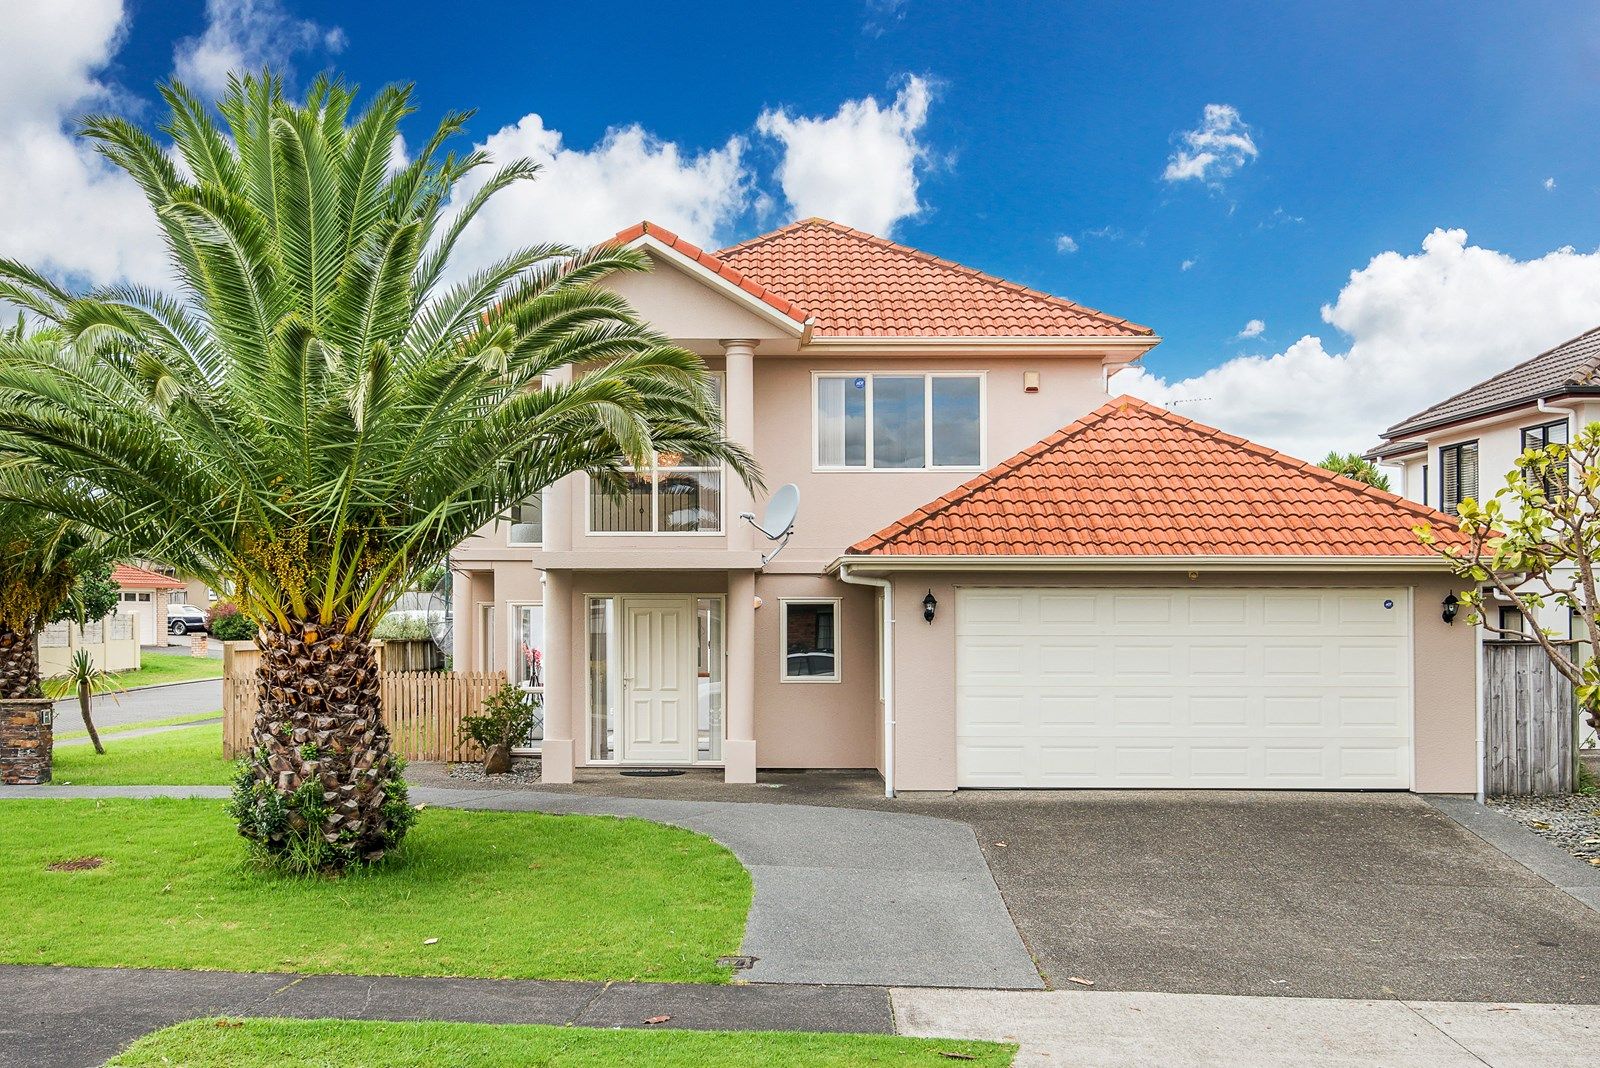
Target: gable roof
(1570,366)
(846,283)
(137,578)
(1133,480)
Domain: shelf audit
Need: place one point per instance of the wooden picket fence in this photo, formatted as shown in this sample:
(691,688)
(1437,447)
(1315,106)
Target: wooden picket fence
(422,709)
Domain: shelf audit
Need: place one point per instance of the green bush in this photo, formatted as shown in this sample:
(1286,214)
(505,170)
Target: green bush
(228,624)
(508,715)
(399,628)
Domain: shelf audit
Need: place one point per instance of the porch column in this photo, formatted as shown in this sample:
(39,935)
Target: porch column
(739,750)
(557,752)
(739,415)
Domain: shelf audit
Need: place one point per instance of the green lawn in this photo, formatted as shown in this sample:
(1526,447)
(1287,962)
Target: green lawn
(506,894)
(188,757)
(170,667)
(73,716)
(372,1044)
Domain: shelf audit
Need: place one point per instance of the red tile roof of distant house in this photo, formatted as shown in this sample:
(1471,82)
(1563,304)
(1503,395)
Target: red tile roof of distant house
(137,578)
(1133,480)
(852,284)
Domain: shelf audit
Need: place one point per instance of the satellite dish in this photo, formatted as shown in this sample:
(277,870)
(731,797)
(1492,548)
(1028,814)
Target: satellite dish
(777,523)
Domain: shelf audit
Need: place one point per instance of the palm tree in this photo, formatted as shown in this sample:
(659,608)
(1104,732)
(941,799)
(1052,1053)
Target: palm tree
(40,558)
(83,679)
(323,414)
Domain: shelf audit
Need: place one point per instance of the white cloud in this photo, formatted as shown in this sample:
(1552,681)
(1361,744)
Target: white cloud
(1420,326)
(246,35)
(1549,183)
(860,166)
(585,195)
(1220,145)
(883,16)
(1066,243)
(1187,265)
(1254,328)
(66,210)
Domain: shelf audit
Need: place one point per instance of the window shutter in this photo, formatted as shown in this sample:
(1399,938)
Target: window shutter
(1469,472)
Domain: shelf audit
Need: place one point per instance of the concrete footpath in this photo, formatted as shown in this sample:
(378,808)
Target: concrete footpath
(77,1017)
(1092,1029)
(142,704)
(842,896)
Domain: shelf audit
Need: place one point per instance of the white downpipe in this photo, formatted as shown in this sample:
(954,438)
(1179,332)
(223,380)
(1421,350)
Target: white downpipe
(885,666)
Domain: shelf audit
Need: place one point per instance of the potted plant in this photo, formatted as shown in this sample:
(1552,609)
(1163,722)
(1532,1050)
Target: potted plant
(508,716)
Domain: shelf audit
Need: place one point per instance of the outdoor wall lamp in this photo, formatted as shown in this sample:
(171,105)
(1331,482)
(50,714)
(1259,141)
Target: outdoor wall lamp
(1450,608)
(929,603)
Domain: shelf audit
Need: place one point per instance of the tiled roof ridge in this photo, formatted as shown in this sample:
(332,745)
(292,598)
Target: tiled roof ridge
(938,261)
(1112,407)
(1593,363)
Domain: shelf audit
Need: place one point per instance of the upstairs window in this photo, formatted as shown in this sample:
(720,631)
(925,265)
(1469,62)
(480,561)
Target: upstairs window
(1538,437)
(899,421)
(1458,475)
(527,522)
(676,494)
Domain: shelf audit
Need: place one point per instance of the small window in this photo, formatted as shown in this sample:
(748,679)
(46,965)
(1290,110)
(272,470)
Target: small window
(1424,483)
(1538,437)
(527,522)
(144,597)
(810,641)
(898,422)
(1513,622)
(1458,475)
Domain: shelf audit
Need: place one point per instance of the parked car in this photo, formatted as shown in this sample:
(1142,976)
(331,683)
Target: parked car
(182,618)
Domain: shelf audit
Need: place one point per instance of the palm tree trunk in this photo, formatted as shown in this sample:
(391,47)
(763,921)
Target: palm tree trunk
(85,696)
(322,788)
(19,664)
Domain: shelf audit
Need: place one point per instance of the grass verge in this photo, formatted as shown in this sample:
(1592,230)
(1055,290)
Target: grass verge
(73,716)
(155,668)
(188,757)
(491,894)
(371,1044)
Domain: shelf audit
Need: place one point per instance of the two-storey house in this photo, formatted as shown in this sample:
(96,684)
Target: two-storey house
(1466,444)
(998,576)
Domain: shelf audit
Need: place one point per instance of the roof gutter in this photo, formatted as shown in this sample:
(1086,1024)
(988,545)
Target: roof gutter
(1154,564)
(1402,430)
(885,665)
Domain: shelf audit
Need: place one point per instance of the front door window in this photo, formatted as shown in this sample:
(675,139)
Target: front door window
(655,678)
(527,664)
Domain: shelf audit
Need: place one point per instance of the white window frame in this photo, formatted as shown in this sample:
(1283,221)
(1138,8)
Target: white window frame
(783,640)
(927,421)
(514,613)
(655,495)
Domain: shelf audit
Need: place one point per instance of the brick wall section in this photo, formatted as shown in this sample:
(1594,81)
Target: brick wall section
(25,742)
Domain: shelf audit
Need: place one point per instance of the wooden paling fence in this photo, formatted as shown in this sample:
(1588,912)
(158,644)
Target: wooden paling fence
(1529,721)
(422,709)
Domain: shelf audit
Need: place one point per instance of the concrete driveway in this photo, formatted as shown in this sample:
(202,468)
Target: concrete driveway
(1310,895)
(1289,894)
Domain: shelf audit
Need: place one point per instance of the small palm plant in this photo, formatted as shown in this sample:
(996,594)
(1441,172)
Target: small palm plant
(327,410)
(83,679)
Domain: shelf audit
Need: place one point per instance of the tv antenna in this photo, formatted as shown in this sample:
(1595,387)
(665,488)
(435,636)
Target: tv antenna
(777,524)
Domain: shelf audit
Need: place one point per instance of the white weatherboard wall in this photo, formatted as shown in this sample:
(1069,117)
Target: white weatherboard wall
(1288,688)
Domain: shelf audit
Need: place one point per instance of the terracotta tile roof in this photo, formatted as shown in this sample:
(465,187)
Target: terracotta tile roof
(1573,364)
(859,285)
(711,263)
(1131,479)
(137,578)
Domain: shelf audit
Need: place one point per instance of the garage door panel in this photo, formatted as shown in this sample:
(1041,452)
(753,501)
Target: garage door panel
(1234,688)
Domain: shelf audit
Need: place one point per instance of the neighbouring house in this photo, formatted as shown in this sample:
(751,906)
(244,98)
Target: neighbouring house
(144,595)
(999,576)
(1465,445)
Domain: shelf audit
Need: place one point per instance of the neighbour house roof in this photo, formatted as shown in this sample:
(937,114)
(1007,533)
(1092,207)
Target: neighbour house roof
(137,578)
(1133,480)
(851,284)
(1572,366)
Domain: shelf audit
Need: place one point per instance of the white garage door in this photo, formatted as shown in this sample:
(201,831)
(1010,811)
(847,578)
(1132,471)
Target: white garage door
(1225,688)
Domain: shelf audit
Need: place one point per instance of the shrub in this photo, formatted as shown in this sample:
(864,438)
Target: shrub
(228,624)
(508,715)
(398,627)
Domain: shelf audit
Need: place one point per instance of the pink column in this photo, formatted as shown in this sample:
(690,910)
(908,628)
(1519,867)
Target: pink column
(560,691)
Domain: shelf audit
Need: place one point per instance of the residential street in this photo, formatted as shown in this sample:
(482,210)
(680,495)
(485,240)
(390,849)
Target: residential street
(143,705)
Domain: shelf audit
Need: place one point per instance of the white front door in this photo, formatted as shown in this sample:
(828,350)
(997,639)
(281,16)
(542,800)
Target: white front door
(1219,687)
(659,679)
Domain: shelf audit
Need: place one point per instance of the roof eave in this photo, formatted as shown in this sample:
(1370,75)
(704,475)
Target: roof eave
(799,328)
(1057,563)
(1401,430)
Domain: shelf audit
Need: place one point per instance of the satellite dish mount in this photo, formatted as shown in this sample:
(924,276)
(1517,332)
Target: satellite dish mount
(777,524)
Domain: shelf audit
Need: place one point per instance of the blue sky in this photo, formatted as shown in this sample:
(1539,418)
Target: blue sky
(1037,141)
